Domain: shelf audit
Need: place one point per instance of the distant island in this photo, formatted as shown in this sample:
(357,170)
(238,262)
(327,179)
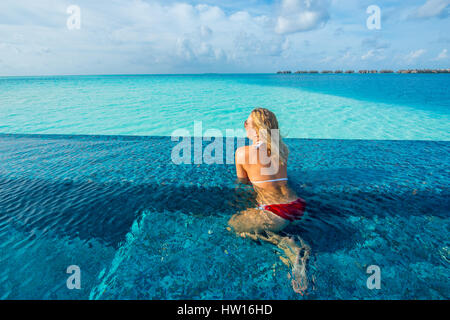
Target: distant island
(406,71)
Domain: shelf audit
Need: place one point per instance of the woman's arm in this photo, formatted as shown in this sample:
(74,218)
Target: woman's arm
(240,169)
(245,195)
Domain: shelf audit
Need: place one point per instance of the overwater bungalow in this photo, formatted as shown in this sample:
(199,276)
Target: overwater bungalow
(415,71)
(284,72)
(401,71)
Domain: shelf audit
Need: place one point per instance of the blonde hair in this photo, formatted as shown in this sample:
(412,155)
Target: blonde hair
(264,122)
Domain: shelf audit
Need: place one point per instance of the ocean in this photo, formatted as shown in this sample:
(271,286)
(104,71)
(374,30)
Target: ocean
(372,107)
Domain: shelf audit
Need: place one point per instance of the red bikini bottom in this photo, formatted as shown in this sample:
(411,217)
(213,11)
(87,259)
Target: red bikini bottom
(289,211)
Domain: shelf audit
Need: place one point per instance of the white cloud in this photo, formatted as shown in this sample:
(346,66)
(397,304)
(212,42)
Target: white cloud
(327,59)
(374,54)
(301,15)
(138,36)
(183,36)
(413,55)
(347,55)
(368,55)
(205,31)
(432,8)
(443,55)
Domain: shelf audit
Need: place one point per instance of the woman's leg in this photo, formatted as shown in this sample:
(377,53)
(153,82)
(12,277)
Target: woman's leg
(298,255)
(253,222)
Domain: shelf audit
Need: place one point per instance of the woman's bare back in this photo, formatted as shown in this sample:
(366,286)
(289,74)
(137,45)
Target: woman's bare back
(268,191)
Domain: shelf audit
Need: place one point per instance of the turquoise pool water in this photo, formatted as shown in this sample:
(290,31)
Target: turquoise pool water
(383,106)
(141,227)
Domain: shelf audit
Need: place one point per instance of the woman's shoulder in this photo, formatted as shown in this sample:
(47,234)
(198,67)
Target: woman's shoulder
(241,154)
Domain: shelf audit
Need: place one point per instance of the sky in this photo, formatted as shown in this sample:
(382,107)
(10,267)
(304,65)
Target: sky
(48,37)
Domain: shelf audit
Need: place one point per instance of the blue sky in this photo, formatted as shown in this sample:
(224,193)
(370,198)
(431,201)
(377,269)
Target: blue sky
(198,36)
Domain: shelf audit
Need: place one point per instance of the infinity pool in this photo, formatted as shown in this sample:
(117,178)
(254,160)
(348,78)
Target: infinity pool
(141,227)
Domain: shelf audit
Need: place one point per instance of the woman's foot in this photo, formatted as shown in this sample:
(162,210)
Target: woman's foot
(298,257)
(299,279)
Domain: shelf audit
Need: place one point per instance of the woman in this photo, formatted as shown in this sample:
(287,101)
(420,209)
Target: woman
(264,165)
